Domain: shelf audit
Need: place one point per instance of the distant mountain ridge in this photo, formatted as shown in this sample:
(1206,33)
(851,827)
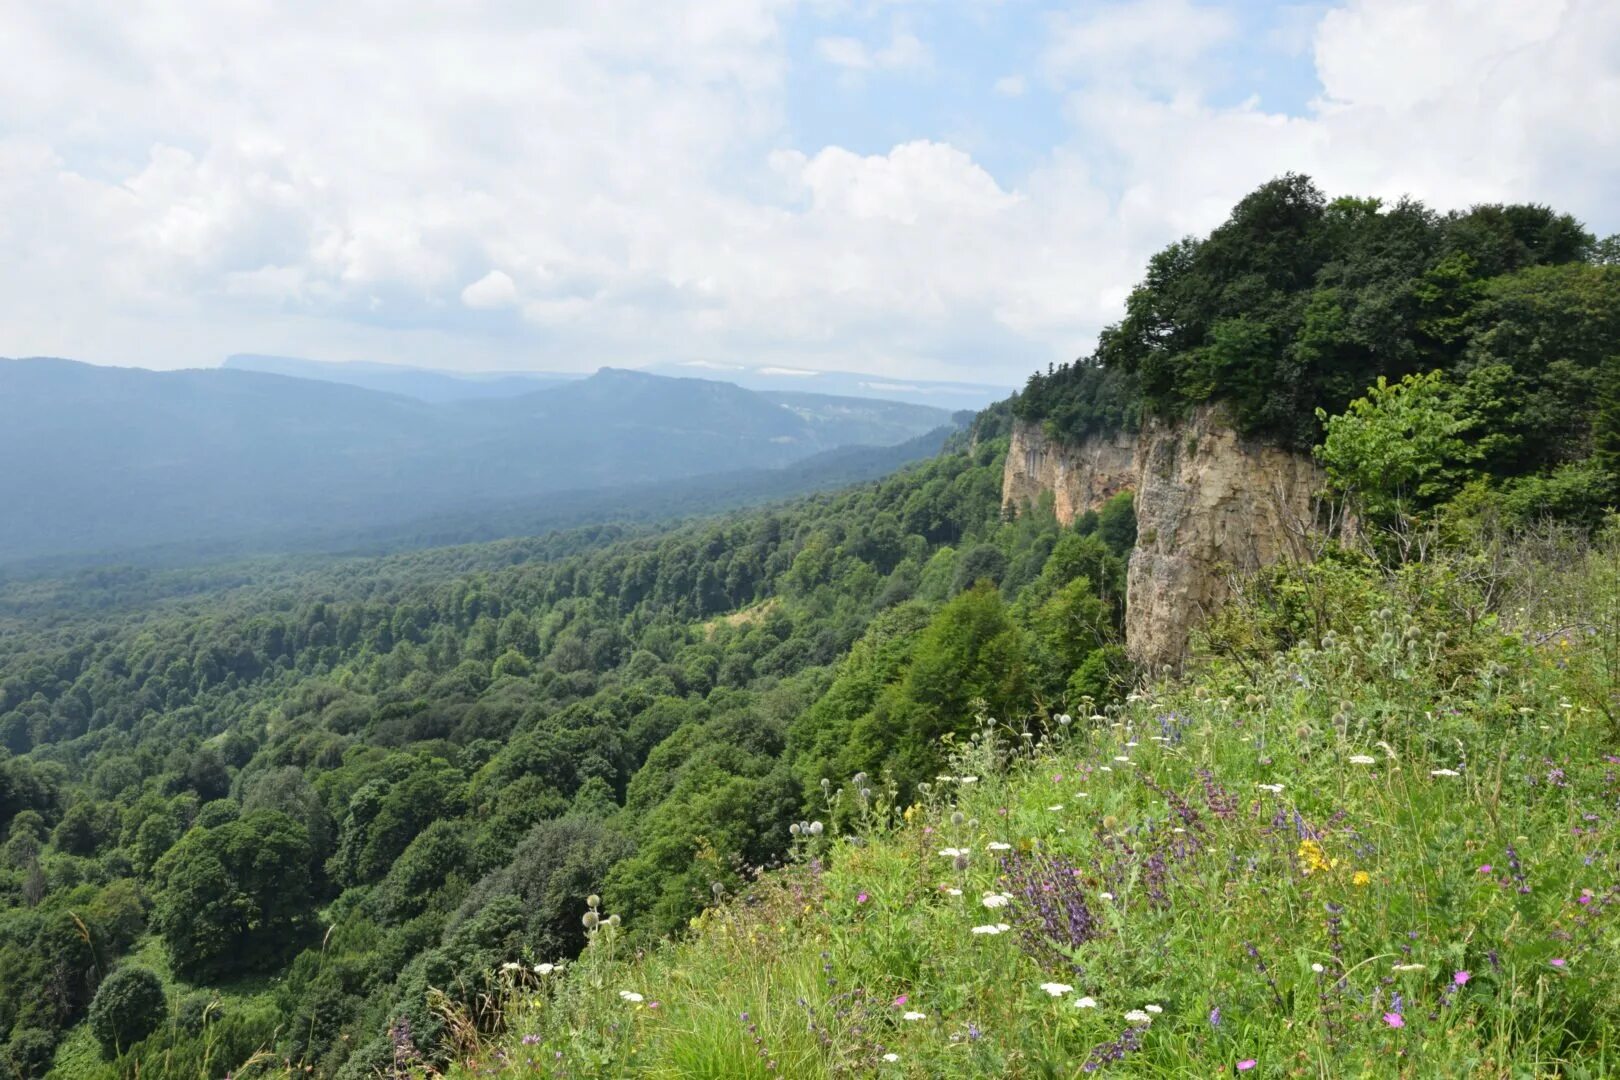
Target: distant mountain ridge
(97,458)
(427,384)
(439,385)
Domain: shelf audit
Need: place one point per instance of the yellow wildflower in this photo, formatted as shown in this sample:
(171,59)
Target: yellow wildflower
(1313,858)
(1361,878)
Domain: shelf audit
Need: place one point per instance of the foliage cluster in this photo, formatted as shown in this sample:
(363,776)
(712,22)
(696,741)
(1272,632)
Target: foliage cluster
(1295,305)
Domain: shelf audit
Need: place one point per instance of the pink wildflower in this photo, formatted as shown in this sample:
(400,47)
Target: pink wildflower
(1460,978)
(861,898)
(1557,961)
(1394,1020)
(1246,1064)
(1485,869)
(901,1000)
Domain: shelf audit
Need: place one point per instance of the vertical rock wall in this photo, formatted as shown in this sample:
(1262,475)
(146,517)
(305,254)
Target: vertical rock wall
(1207,503)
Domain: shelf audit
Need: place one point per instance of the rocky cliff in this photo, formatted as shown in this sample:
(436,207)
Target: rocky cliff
(1207,503)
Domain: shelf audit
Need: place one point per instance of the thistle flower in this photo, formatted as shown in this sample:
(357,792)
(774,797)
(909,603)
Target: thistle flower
(593,901)
(590,919)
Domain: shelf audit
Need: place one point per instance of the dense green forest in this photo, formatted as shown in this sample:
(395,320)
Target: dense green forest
(303,796)
(1298,303)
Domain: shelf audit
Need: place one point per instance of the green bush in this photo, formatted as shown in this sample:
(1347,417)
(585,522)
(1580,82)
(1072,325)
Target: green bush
(128,1005)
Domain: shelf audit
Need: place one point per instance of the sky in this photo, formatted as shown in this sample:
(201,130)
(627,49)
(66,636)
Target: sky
(959,190)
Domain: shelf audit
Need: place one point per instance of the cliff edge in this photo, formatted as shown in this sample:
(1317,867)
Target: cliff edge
(1207,503)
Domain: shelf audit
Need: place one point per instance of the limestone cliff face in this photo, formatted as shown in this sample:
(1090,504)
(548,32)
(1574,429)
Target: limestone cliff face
(1207,503)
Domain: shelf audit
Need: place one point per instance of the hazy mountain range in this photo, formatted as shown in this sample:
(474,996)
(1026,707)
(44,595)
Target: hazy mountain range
(438,385)
(94,459)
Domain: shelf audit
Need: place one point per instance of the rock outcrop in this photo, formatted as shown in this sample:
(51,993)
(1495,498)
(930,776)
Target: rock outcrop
(1207,503)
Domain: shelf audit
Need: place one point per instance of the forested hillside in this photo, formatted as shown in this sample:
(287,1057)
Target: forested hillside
(303,801)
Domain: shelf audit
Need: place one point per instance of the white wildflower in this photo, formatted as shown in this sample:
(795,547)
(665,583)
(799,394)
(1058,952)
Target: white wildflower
(995,900)
(951,852)
(914,1015)
(992,928)
(1106,895)
(1056,989)
(1444,772)
(968,780)
(1273,788)
(1137,1016)
(1085,1003)
(1363,759)
(1106,768)
(954,892)
(891,1057)
(997,845)
(1318,968)
(1055,808)
(1408,967)
(1125,760)
(544,969)
(509,966)
(1155,1009)
(630,996)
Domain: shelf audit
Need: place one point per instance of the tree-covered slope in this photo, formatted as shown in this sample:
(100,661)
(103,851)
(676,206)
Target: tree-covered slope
(316,792)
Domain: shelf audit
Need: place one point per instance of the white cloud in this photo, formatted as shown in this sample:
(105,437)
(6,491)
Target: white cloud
(1151,42)
(1010,86)
(904,50)
(169,193)
(495,289)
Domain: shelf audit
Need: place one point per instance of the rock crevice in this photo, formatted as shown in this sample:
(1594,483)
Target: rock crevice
(1208,503)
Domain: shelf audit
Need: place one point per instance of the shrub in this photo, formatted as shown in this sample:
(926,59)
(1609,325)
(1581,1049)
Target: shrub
(126,1008)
